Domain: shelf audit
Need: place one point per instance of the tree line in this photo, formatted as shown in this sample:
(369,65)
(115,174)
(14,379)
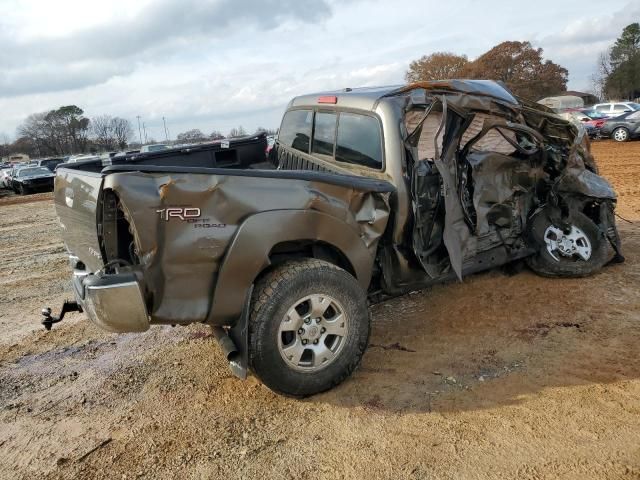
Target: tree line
(522,68)
(518,65)
(196,135)
(618,70)
(66,131)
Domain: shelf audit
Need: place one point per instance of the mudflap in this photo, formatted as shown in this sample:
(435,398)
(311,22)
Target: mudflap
(239,334)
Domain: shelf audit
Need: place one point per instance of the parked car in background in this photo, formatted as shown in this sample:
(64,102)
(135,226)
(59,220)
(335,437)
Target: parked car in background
(613,109)
(579,119)
(5,177)
(622,128)
(31,179)
(82,158)
(157,147)
(50,163)
(562,103)
(595,118)
(271,141)
(14,169)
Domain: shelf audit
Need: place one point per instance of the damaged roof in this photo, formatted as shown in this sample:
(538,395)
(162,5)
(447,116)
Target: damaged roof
(366,98)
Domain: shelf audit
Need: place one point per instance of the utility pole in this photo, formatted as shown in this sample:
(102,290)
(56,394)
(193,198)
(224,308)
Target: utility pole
(166,133)
(144,128)
(139,130)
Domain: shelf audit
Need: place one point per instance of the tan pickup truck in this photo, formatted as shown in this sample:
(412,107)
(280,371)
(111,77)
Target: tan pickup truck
(367,193)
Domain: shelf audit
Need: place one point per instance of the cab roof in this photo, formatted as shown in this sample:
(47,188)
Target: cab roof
(366,98)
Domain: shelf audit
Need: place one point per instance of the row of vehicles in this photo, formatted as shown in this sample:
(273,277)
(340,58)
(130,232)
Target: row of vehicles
(29,177)
(38,175)
(617,120)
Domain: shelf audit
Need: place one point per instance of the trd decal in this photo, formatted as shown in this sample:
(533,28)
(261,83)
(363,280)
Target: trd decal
(179,212)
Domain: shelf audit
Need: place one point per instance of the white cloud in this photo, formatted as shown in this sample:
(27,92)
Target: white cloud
(219,63)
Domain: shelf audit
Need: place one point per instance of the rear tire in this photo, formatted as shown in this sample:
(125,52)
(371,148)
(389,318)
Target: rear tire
(560,261)
(620,134)
(309,327)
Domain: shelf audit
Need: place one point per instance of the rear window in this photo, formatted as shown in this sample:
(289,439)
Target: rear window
(359,140)
(25,172)
(324,134)
(295,131)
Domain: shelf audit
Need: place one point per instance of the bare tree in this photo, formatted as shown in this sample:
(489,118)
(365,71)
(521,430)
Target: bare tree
(237,132)
(268,131)
(216,135)
(111,133)
(122,131)
(191,136)
(102,130)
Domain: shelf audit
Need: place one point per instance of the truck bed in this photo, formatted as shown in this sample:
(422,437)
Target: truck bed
(238,153)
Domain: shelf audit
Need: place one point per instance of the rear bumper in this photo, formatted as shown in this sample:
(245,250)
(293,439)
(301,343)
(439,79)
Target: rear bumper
(113,302)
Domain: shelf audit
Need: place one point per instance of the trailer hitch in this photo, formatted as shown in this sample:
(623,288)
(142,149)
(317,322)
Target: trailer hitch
(67,306)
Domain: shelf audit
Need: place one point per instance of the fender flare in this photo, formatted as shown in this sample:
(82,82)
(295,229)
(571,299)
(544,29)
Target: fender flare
(248,254)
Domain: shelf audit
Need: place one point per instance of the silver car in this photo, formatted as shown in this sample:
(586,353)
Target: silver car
(614,109)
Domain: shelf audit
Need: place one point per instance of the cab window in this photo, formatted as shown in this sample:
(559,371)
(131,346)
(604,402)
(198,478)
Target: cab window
(359,140)
(295,131)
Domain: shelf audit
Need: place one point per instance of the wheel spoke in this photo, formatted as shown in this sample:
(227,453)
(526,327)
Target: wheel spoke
(321,354)
(335,326)
(583,252)
(581,243)
(292,321)
(294,352)
(319,305)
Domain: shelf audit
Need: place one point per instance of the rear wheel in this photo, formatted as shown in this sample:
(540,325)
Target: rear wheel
(309,327)
(576,249)
(620,134)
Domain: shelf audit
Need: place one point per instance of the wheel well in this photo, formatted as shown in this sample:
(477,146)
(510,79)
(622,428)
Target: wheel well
(284,251)
(592,210)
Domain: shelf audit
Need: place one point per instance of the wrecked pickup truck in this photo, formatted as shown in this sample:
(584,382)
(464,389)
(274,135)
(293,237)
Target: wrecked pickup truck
(368,193)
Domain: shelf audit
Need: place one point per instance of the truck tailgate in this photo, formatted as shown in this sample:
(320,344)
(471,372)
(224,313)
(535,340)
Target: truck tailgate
(76,197)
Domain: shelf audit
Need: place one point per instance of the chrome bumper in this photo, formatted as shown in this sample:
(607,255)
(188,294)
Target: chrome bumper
(113,302)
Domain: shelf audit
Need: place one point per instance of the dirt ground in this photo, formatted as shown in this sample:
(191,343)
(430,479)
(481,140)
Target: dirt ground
(498,377)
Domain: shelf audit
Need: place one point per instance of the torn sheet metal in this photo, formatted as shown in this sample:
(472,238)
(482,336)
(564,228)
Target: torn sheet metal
(499,157)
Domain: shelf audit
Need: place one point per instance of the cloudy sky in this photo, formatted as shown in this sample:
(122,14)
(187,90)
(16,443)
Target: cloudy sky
(216,64)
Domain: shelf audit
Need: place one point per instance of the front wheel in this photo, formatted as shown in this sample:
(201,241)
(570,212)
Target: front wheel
(309,327)
(620,134)
(576,249)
